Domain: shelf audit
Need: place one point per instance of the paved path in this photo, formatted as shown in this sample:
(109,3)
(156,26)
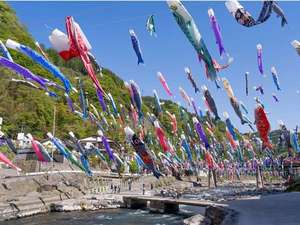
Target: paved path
(278,209)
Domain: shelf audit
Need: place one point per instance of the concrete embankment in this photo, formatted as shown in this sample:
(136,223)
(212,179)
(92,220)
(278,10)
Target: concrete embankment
(29,195)
(22,196)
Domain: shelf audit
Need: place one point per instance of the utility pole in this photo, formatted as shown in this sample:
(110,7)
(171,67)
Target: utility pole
(54,120)
(53,132)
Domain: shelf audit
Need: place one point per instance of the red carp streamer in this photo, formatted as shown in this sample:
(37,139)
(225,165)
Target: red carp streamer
(263,126)
(161,137)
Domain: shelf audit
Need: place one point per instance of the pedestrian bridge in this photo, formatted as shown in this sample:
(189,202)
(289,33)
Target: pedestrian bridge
(163,205)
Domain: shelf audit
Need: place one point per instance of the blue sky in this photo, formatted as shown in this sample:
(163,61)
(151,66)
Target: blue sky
(106,25)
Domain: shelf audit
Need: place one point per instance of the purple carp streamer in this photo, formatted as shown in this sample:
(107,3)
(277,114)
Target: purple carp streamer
(259,59)
(70,103)
(217,31)
(106,145)
(27,74)
(101,99)
(36,57)
(200,132)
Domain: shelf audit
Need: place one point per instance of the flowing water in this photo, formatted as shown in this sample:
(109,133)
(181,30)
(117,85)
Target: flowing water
(135,217)
(107,217)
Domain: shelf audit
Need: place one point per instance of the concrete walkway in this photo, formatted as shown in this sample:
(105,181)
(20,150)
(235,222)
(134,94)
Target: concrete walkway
(278,209)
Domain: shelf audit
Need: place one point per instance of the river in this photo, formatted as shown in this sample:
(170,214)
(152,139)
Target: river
(107,217)
(127,216)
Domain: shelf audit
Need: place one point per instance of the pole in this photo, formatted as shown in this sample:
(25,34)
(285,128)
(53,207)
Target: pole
(53,132)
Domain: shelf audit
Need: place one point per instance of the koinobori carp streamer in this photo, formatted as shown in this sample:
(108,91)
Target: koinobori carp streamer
(36,57)
(142,150)
(210,101)
(275,78)
(75,44)
(244,18)
(263,126)
(136,46)
(191,79)
(27,74)
(189,28)
(150,25)
(164,83)
(217,31)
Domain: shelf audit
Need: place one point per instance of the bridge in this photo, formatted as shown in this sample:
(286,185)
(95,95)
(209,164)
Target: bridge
(163,205)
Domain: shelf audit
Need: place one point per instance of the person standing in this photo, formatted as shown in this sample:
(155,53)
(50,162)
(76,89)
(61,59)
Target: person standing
(129,184)
(211,168)
(111,188)
(144,190)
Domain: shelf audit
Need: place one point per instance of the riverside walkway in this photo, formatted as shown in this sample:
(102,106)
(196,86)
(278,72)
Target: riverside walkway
(277,209)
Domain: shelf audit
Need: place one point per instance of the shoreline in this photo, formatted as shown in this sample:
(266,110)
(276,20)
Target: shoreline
(22,196)
(40,194)
(96,204)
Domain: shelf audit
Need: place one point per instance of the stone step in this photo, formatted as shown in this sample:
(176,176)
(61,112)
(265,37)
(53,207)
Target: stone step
(52,199)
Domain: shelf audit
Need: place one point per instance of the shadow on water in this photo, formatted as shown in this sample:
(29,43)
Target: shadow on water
(108,217)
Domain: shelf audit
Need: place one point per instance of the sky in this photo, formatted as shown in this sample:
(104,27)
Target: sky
(106,25)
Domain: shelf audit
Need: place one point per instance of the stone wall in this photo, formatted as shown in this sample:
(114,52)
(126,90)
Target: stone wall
(28,195)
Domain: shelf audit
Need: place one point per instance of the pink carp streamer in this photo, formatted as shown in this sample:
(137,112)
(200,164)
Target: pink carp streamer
(36,148)
(185,96)
(5,160)
(161,137)
(164,83)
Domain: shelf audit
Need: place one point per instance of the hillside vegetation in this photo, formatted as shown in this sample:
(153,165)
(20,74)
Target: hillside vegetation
(29,110)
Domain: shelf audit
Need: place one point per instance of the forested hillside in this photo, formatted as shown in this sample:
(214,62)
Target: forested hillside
(29,110)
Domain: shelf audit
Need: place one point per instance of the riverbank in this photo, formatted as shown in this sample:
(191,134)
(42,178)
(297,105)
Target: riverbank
(64,192)
(22,196)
